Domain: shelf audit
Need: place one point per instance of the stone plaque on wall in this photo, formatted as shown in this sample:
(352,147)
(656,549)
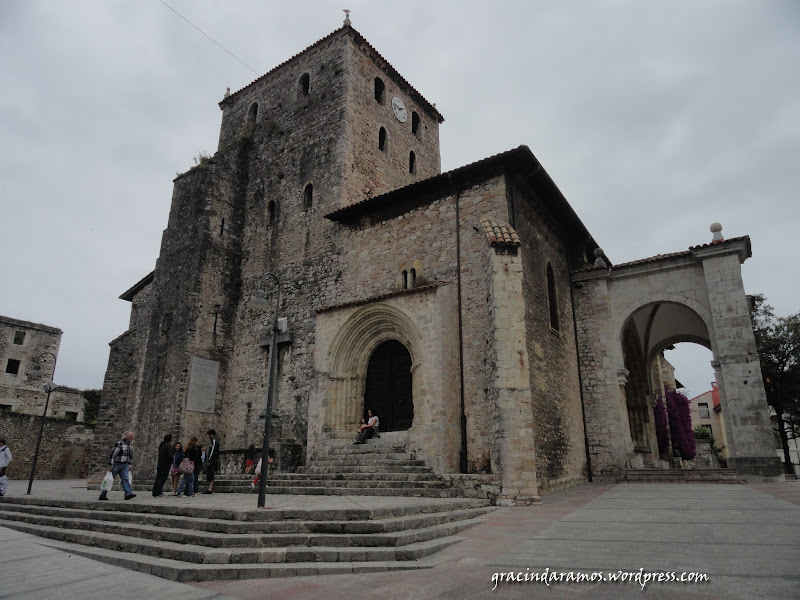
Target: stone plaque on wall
(203,385)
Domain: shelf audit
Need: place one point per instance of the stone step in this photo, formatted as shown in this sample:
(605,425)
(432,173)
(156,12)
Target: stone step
(352,455)
(449,492)
(180,571)
(278,476)
(385,524)
(682,475)
(243,540)
(353,461)
(375,483)
(366,450)
(187,509)
(364,469)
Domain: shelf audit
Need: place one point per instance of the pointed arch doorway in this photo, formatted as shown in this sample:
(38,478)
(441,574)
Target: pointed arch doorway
(388,389)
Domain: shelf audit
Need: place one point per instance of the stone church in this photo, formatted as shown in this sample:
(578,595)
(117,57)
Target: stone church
(471,310)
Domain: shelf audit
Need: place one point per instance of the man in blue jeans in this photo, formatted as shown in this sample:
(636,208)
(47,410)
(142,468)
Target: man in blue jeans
(121,461)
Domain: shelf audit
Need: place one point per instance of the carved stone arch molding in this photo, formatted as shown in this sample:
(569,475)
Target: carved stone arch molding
(349,355)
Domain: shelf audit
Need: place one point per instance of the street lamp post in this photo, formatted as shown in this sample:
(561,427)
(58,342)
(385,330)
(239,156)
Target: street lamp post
(273,367)
(48,387)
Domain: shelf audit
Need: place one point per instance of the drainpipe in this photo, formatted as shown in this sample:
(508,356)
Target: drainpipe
(580,378)
(463,453)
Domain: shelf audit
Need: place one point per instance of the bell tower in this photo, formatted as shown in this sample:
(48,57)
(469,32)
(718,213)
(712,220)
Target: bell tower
(337,116)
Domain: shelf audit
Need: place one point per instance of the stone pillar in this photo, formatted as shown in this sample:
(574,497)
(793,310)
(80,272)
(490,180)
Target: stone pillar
(737,367)
(602,365)
(514,443)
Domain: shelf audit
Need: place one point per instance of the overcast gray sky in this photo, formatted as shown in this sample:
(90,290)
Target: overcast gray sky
(655,118)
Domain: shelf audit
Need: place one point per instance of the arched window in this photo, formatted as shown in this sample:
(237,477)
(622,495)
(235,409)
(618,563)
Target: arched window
(271,212)
(382,140)
(415,123)
(305,82)
(251,116)
(405,280)
(413,278)
(380,89)
(552,301)
(412,162)
(308,196)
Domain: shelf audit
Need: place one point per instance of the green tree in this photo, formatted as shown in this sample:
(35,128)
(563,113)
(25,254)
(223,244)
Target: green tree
(778,343)
(91,404)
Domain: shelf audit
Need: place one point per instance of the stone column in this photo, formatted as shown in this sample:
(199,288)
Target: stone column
(602,364)
(513,408)
(737,367)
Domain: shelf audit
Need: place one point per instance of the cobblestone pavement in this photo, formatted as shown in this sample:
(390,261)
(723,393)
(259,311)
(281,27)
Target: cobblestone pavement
(745,538)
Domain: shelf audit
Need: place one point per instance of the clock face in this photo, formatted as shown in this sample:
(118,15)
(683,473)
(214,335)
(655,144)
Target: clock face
(399,109)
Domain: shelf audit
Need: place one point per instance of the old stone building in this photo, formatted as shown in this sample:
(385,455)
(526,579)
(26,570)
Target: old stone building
(462,307)
(23,347)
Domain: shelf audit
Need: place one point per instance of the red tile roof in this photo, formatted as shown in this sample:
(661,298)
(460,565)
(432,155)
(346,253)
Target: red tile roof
(500,234)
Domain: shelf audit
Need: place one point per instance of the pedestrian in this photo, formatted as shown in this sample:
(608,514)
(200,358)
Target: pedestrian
(5,460)
(199,465)
(164,463)
(212,460)
(270,459)
(177,458)
(192,455)
(121,460)
(249,459)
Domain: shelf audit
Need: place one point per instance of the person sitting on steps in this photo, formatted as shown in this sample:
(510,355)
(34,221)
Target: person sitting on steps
(370,430)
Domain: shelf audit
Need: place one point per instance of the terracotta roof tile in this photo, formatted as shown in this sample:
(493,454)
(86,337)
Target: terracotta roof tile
(500,234)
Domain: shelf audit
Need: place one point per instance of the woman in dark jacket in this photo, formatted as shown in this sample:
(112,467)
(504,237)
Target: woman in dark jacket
(164,463)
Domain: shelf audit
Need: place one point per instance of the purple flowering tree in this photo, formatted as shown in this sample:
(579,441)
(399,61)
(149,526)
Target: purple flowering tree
(680,425)
(662,426)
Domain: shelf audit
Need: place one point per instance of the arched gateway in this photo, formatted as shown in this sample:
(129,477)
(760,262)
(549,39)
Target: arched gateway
(627,314)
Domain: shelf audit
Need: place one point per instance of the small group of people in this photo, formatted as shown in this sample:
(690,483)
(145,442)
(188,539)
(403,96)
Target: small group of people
(368,428)
(183,465)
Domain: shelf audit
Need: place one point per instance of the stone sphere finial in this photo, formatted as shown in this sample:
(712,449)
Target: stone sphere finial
(716,230)
(599,261)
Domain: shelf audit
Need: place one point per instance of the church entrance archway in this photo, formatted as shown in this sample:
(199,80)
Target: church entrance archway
(388,388)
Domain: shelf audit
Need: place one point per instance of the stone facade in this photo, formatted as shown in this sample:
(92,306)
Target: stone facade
(328,176)
(24,345)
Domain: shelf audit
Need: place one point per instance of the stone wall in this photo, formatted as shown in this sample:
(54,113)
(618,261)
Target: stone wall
(64,452)
(554,380)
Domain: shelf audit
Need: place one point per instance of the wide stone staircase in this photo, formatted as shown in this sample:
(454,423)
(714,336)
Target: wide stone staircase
(193,543)
(377,468)
(223,537)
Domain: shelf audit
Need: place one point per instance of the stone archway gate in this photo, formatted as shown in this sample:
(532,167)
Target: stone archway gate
(707,281)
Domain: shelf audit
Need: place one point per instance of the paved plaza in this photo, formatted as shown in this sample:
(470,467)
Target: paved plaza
(744,538)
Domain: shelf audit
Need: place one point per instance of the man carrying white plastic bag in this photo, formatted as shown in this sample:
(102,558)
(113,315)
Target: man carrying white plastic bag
(121,460)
